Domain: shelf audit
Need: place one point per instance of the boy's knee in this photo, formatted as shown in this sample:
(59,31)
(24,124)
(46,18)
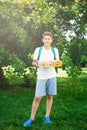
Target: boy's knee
(37,99)
(50,97)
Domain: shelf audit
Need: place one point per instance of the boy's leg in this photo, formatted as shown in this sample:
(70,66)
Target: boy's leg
(33,112)
(35,105)
(49,104)
(51,90)
(40,91)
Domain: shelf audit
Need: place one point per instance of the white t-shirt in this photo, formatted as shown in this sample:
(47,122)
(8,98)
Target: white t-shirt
(46,56)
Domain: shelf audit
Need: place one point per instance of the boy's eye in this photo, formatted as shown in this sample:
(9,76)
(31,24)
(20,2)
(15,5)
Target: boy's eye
(47,39)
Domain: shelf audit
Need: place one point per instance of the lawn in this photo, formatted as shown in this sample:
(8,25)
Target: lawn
(69,111)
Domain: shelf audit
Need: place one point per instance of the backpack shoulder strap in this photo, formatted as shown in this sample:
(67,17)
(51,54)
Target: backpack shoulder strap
(53,51)
(39,52)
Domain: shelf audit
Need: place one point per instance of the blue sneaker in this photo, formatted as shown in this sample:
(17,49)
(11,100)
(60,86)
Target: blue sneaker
(47,120)
(28,122)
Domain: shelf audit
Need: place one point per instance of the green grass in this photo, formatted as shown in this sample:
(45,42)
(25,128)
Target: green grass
(69,110)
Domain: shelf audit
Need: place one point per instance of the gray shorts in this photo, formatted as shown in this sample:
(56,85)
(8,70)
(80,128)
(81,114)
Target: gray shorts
(46,86)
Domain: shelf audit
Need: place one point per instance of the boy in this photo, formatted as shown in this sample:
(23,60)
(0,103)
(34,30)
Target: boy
(46,78)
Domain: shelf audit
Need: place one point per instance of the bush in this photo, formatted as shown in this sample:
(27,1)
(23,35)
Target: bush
(30,76)
(13,77)
(27,78)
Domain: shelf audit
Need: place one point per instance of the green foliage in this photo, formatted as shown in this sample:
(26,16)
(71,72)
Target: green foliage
(26,77)
(30,77)
(4,54)
(23,22)
(12,76)
(1,54)
(17,63)
(83,59)
(72,70)
(13,72)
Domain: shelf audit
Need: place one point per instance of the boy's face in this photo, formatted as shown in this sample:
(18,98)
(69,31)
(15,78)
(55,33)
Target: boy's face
(47,40)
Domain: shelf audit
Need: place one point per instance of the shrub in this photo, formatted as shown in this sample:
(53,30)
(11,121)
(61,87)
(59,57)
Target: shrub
(30,76)
(13,77)
(27,78)
(72,70)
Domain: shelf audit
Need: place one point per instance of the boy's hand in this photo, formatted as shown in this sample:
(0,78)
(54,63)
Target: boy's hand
(35,63)
(44,64)
(53,63)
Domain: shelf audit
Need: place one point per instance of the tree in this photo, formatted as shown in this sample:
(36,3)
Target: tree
(22,22)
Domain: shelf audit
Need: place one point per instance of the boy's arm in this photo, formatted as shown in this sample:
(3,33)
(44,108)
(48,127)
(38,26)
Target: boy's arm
(35,61)
(57,62)
(57,54)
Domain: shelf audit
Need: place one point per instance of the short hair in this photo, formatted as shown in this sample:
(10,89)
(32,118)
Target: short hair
(48,34)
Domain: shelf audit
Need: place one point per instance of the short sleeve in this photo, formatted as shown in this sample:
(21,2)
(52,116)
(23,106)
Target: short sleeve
(36,53)
(57,54)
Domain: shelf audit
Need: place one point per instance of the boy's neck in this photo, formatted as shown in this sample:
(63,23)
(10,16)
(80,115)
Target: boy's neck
(47,47)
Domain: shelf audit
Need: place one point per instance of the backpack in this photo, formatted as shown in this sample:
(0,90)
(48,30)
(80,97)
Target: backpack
(53,51)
